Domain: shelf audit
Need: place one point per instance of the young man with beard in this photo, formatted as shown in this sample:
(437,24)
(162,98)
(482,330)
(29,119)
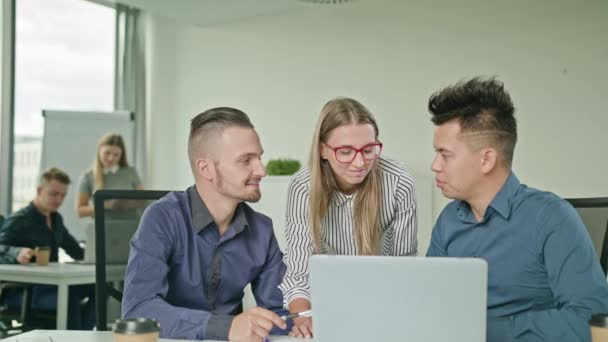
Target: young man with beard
(196,250)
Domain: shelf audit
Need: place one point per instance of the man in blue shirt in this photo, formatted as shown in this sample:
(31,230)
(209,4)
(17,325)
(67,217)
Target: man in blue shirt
(195,251)
(544,279)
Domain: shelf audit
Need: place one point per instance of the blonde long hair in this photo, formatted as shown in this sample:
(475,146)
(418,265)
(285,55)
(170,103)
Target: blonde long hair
(109,139)
(336,113)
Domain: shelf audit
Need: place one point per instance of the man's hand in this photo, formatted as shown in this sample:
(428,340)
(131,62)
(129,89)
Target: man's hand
(25,255)
(302,327)
(254,325)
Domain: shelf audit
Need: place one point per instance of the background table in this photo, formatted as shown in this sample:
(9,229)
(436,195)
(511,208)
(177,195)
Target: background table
(60,275)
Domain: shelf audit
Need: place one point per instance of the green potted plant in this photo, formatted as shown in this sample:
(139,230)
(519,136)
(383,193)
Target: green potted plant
(282,167)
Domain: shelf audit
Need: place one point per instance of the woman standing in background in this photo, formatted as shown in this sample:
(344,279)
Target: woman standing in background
(350,201)
(110,170)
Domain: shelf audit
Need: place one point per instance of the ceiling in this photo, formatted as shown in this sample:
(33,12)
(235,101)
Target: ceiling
(209,12)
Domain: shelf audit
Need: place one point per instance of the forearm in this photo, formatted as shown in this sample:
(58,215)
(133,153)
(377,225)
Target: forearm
(85,210)
(299,305)
(294,287)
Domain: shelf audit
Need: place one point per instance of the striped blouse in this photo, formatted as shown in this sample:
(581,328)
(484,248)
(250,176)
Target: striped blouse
(397,220)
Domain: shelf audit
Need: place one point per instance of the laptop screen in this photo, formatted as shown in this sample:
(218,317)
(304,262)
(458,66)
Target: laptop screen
(380,298)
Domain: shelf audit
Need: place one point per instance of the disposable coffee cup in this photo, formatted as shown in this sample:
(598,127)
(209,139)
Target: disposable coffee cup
(136,330)
(43,253)
(599,328)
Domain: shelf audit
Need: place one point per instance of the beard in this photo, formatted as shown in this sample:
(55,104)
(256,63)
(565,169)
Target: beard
(231,190)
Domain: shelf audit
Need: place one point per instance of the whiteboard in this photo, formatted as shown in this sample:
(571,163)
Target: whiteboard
(69,142)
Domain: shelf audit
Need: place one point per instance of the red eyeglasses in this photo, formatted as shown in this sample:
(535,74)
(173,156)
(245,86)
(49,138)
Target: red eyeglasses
(346,154)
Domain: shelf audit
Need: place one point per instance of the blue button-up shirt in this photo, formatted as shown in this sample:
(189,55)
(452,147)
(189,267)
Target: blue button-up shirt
(544,279)
(185,275)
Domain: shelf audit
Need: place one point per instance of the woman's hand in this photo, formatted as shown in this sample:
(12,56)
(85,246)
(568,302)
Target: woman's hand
(302,327)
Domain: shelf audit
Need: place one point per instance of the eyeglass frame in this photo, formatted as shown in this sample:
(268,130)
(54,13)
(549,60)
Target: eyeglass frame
(357,151)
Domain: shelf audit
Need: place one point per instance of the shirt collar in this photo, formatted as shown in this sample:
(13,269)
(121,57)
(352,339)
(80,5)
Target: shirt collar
(201,218)
(37,214)
(112,169)
(501,203)
(503,200)
(340,199)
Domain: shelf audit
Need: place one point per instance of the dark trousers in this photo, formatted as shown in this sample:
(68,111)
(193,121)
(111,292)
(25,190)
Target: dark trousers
(44,297)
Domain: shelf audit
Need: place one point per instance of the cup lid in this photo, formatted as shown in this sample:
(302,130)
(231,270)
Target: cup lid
(600,320)
(136,326)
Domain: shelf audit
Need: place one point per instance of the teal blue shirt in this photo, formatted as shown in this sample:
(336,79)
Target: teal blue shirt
(544,279)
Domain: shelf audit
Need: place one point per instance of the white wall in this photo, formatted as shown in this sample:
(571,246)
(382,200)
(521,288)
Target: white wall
(391,55)
(161,122)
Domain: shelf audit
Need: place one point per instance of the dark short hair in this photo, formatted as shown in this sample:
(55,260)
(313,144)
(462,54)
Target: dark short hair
(214,120)
(483,107)
(54,174)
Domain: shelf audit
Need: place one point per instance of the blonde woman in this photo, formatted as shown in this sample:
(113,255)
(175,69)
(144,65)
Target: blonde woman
(110,170)
(350,201)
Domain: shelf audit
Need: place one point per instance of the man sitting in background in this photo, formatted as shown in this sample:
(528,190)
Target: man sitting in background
(544,279)
(39,224)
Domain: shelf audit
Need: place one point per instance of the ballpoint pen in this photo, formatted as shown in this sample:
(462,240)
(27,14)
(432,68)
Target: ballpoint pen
(307,313)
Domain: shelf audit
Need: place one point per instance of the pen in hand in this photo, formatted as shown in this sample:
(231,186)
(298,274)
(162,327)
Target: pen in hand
(307,313)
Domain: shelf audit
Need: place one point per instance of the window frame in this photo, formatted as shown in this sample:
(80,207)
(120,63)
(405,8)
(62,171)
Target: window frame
(7,93)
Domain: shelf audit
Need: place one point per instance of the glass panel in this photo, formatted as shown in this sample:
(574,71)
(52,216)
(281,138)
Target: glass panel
(2,33)
(64,60)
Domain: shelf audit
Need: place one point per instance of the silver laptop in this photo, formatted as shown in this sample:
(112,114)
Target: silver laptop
(118,237)
(373,298)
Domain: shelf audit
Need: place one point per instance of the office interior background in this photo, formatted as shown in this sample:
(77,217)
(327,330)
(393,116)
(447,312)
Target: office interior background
(281,60)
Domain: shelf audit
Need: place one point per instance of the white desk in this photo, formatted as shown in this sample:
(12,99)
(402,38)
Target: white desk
(62,276)
(101,336)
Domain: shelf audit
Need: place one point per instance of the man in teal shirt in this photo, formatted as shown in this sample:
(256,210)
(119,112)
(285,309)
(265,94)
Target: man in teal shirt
(544,279)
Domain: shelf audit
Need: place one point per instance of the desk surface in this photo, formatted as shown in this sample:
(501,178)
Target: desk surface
(99,336)
(54,270)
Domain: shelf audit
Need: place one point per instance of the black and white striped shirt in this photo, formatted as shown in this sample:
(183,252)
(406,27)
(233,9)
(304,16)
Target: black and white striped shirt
(397,220)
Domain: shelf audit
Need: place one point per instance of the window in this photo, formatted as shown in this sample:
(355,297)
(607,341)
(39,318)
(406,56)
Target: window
(2,33)
(64,59)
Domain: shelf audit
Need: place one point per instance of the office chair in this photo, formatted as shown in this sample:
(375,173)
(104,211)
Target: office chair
(138,199)
(8,316)
(594,213)
(604,251)
(24,318)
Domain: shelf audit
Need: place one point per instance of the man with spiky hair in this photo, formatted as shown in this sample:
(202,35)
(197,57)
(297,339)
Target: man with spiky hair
(544,279)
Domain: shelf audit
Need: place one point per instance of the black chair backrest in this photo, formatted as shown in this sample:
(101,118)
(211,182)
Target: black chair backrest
(594,213)
(111,206)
